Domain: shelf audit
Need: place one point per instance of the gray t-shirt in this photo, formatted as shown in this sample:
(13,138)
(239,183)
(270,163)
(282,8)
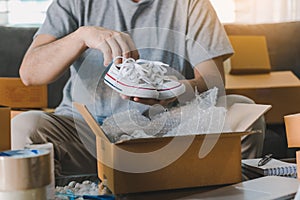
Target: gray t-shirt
(181,33)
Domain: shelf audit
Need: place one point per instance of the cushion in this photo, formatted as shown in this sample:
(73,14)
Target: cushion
(282,41)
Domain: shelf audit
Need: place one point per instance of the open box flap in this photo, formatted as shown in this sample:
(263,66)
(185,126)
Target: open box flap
(87,116)
(240,116)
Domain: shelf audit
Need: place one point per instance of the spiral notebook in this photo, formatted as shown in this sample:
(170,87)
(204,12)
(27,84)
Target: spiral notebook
(273,168)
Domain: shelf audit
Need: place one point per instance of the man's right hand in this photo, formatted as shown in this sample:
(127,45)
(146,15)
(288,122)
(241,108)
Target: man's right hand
(48,57)
(110,43)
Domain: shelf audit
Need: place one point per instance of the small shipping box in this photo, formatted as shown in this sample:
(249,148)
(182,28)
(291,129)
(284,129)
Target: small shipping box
(15,94)
(5,128)
(280,89)
(206,159)
(250,55)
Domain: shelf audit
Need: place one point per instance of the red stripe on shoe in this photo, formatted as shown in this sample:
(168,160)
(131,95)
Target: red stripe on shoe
(129,85)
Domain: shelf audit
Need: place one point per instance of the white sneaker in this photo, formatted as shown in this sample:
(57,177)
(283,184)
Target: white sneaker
(129,78)
(167,87)
(142,78)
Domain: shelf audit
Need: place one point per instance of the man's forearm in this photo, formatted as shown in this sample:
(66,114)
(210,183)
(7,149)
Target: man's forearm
(47,58)
(208,74)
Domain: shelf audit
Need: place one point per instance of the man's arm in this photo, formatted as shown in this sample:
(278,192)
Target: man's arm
(47,57)
(209,74)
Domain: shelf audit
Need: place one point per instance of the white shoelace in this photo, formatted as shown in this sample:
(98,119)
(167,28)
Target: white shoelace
(151,72)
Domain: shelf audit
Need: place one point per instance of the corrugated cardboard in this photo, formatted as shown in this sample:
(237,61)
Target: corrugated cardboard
(15,94)
(280,89)
(292,129)
(222,165)
(15,112)
(5,128)
(298,164)
(250,55)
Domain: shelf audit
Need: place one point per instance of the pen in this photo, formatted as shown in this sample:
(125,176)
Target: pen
(265,159)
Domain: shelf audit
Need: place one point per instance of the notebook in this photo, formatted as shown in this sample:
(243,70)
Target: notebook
(273,168)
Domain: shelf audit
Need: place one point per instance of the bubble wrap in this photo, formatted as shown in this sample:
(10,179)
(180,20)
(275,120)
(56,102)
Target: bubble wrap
(199,116)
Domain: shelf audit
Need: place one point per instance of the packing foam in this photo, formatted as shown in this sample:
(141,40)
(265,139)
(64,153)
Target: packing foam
(78,189)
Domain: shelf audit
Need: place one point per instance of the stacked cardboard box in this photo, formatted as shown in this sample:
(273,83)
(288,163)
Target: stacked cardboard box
(5,128)
(17,98)
(15,94)
(280,89)
(250,55)
(248,74)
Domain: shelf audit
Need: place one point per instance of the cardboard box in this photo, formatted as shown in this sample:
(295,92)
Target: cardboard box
(5,128)
(145,164)
(15,112)
(250,55)
(280,89)
(15,94)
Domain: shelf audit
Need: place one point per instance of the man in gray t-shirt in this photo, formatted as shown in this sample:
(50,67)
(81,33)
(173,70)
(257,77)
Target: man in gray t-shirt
(179,33)
(85,36)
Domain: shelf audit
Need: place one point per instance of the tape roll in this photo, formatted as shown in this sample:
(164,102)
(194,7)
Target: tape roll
(24,169)
(31,194)
(49,147)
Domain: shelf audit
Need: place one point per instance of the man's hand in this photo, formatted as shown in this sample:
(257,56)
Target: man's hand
(110,43)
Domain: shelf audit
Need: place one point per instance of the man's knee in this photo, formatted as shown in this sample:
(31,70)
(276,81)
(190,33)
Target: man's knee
(252,145)
(23,126)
